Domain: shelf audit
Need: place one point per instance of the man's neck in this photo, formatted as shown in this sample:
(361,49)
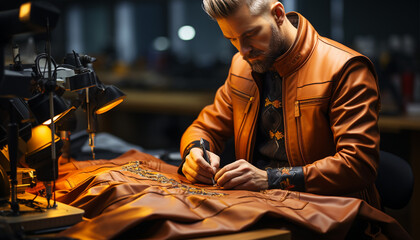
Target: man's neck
(290,30)
(291,23)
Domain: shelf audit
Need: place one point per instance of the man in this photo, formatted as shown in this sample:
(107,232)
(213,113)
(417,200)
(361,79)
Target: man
(302,109)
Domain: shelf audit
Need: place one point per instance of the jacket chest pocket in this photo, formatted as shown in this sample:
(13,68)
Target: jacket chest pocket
(242,101)
(314,96)
(312,121)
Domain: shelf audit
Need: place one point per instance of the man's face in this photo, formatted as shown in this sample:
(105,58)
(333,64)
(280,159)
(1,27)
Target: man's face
(257,38)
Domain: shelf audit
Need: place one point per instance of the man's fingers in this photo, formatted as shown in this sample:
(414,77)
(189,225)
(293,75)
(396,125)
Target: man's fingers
(198,166)
(198,161)
(242,175)
(188,176)
(219,174)
(234,182)
(214,161)
(195,176)
(228,176)
(227,168)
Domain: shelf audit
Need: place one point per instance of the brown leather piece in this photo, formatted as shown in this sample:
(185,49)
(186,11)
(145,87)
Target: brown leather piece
(125,205)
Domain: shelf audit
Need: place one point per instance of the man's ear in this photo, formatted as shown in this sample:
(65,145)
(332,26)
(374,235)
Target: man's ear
(277,10)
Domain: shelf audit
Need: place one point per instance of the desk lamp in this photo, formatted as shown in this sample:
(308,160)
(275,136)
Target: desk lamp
(38,157)
(47,108)
(98,100)
(77,76)
(74,75)
(39,146)
(39,105)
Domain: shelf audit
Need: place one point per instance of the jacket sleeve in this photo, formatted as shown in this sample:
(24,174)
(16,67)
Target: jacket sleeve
(353,115)
(214,124)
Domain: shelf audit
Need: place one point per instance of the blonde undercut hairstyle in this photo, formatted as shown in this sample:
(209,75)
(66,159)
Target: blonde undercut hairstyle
(223,8)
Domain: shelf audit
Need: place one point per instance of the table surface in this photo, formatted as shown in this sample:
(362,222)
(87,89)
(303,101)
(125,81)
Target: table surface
(401,122)
(266,234)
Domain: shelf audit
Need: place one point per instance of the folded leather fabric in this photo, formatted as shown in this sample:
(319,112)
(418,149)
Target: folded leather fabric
(137,196)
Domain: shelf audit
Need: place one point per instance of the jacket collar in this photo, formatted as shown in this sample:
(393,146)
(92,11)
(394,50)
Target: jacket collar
(302,47)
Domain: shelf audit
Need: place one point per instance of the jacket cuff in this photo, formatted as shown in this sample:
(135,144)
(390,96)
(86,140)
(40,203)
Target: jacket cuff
(286,178)
(187,151)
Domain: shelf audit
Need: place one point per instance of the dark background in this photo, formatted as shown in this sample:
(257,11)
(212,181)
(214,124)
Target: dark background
(122,35)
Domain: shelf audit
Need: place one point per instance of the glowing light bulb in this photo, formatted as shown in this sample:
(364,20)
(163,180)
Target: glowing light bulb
(186,33)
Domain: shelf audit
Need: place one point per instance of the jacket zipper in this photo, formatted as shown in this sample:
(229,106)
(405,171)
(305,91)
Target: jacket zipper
(245,114)
(246,110)
(251,139)
(248,105)
(310,101)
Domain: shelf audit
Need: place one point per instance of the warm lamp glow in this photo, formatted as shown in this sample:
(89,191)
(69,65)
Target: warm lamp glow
(108,98)
(39,150)
(40,107)
(109,106)
(48,122)
(41,138)
(58,116)
(25,12)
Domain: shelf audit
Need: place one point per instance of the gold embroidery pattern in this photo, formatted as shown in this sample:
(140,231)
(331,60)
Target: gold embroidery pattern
(275,103)
(285,171)
(278,135)
(135,167)
(285,184)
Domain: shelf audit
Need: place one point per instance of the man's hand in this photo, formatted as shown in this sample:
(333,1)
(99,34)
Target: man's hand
(196,169)
(242,175)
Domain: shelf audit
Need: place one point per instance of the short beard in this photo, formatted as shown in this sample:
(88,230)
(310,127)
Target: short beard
(276,48)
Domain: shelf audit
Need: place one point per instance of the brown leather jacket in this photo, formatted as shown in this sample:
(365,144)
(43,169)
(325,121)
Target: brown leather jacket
(330,110)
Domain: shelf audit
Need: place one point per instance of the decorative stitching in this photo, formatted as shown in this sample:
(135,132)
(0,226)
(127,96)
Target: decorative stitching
(278,135)
(276,103)
(135,167)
